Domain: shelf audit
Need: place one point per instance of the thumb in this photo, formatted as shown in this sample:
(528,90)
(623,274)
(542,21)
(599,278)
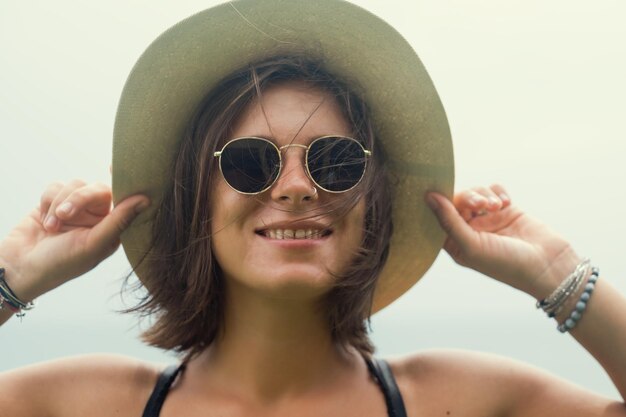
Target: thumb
(450,219)
(106,233)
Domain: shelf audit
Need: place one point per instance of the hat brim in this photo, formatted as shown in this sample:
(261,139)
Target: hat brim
(183,64)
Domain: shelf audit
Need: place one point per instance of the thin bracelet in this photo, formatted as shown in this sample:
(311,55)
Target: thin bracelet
(564,289)
(554,310)
(581,305)
(567,287)
(10,300)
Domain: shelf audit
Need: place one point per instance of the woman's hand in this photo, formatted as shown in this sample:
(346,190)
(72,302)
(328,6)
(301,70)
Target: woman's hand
(488,234)
(51,246)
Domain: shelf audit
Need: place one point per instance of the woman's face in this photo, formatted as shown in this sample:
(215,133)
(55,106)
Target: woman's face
(246,228)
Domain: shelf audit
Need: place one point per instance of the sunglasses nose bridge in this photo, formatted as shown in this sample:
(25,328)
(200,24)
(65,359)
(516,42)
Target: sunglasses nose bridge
(289,163)
(293,145)
(299,157)
(294,181)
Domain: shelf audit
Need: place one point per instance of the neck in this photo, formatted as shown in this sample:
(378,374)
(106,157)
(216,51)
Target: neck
(274,348)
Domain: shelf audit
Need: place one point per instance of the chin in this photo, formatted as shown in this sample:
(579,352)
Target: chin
(293,283)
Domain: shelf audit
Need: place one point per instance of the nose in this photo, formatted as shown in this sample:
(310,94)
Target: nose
(293,187)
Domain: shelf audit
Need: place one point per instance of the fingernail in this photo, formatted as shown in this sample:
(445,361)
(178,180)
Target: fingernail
(432,202)
(65,207)
(504,197)
(51,221)
(494,201)
(141,206)
(476,199)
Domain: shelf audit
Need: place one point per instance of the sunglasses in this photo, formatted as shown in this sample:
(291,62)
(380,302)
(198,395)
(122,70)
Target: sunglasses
(251,165)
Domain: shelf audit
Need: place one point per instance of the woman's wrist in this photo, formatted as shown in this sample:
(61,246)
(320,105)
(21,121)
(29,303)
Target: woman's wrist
(578,302)
(567,302)
(559,269)
(18,285)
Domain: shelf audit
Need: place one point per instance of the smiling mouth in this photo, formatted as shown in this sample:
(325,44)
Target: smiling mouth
(294,234)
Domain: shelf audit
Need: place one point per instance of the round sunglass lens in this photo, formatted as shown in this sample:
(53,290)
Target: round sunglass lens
(336,164)
(250,165)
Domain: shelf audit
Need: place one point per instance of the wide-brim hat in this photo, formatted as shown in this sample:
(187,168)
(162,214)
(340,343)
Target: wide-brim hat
(182,65)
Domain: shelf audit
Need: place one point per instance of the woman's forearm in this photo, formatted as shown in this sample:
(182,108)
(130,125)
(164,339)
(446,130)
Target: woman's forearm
(602,328)
(602,331)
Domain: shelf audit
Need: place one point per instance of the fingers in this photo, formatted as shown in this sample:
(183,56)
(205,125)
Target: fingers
(450,220)
(106,234)
(46,201)
(94,199)
(74,203)
(53,196)
(502,194)
(454,216)
(481,200)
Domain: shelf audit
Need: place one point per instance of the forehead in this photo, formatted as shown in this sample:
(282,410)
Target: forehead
(292,112)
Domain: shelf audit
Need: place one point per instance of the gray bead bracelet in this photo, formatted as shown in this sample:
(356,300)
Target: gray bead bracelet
(581,305)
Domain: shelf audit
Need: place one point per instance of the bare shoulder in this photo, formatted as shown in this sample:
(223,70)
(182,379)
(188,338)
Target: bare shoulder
(449,382)
(77,386)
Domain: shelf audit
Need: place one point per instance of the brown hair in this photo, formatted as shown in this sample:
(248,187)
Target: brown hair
(183,280)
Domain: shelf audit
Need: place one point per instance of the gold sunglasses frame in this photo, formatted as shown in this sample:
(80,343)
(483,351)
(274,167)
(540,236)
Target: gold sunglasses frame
(279,150)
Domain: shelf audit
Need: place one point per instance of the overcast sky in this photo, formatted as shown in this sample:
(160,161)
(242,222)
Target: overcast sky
(535,95)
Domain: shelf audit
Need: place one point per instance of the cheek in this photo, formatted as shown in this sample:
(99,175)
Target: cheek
(224,213)
(224,204)
(230,211)
(228,207)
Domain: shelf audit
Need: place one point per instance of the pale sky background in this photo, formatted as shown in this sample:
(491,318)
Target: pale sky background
(535,95)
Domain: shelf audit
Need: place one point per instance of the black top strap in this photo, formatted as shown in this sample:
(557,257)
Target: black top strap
(381,370)
(167,377)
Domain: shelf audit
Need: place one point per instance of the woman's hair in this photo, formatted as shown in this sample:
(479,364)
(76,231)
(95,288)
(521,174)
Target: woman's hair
(185,288)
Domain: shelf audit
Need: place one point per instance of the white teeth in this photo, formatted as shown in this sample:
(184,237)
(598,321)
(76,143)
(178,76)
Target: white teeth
(293,234)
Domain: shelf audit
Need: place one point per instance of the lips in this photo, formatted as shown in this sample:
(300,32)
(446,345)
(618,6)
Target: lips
(294,231)
(282,234)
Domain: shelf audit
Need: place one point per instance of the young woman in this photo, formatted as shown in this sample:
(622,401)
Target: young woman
(290,205)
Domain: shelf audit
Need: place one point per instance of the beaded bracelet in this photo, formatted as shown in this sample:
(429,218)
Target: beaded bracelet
(10,300)
(581,305)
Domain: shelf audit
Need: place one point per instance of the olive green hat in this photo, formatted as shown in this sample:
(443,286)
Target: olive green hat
(183,64)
